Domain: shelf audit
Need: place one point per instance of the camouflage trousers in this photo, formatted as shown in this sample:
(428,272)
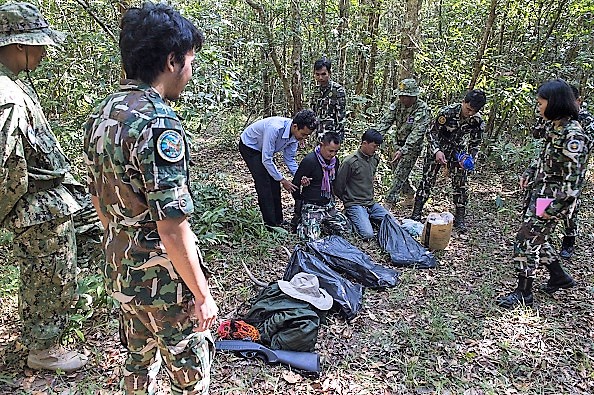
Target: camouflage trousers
(532,247)
(46,254)
(458,176)
(316,219)
(401,182)
(164,334)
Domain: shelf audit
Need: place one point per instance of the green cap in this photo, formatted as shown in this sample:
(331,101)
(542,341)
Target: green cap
(408,87)
(22,23)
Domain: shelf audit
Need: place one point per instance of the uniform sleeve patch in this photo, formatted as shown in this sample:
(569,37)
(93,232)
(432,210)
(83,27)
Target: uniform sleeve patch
(441,120)
(170,146)
(575,146)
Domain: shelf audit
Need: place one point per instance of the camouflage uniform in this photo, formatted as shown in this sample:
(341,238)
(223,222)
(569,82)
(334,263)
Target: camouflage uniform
(447,133)
(540,130)
(558,173)
(406,137)
(37,207)
(329,104)
(138,162)
(316,219)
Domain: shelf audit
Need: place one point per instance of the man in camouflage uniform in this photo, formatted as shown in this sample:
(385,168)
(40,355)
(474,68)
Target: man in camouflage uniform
(328,100)
(542,127)
(410,117)
(558,175)
(138,173)
(35,184)
(457,130)
(315,175)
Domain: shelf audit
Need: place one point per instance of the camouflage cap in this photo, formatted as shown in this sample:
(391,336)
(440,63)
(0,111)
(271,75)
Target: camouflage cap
(22,23)
(408,87)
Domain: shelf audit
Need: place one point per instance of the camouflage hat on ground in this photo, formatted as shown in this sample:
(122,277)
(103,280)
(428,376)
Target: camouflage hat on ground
(22,23)
(408,87)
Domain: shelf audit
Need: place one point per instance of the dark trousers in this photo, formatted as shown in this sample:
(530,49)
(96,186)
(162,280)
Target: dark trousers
(267,188)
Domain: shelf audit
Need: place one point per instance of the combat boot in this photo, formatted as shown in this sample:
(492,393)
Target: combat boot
(567,247)
(558,279)
(54,358)
(417,209)
(459,218)
(522,296)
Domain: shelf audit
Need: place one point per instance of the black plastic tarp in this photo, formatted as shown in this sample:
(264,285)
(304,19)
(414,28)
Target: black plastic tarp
(403,249)
(347,296)
(344,257)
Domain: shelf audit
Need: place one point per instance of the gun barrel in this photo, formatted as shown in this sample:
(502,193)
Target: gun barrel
(307,361)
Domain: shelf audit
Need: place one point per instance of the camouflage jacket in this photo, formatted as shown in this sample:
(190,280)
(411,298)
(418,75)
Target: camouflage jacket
(329,104)
(561,167)
(33,167)
(410,126)
(138,166)
(451,134)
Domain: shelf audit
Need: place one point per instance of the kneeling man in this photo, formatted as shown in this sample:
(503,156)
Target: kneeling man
(354,185)
(315,175)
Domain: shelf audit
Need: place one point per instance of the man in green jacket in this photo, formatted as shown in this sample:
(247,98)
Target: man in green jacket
(354,185)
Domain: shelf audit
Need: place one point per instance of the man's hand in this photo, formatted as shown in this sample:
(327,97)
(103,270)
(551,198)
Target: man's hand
(305,181)
(288,185)
(397,156)
(440,158)
(206,312)
(524,181)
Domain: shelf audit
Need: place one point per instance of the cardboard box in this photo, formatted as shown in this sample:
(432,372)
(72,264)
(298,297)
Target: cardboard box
(437,230)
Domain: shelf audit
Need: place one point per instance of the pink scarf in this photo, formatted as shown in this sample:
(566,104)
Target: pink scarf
(328,170)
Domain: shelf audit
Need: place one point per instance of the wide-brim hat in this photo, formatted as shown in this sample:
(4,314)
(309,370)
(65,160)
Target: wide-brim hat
(306,287)
(408,87)
(22,23)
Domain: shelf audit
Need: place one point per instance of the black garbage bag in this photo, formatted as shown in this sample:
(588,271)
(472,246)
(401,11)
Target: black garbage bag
(403,249)
(344,257)
(348,297)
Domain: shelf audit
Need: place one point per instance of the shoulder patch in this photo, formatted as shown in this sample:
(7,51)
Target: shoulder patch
(441,120)
(170,145)
(574,146)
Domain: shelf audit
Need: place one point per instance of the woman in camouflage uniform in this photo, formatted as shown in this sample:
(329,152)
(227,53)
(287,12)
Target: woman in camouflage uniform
(558,176)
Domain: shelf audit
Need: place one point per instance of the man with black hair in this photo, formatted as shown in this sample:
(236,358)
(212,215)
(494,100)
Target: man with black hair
(259,142)
(328,100)
(315,176)
(454,138)
(354,185)
(138,174)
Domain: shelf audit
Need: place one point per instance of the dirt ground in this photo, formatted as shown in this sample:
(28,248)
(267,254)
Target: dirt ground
(437,332)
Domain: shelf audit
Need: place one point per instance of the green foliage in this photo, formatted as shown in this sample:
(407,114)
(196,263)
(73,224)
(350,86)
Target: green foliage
(509,155)
(220,217)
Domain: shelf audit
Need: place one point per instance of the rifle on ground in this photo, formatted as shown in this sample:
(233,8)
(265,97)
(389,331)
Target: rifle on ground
(305,361)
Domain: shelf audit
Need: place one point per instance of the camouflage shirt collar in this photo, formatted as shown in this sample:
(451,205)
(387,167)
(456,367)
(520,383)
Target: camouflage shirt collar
(134,85)
(7,72)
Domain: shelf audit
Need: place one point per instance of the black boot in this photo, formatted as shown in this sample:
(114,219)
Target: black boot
(567,247)
(558,279)
(417,209)
(521,296)
(459,223)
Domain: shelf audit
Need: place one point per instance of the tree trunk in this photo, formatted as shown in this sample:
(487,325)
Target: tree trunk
(481,51)
(343,12)
(297,78)
(259,9)
(373,34)
(409,39)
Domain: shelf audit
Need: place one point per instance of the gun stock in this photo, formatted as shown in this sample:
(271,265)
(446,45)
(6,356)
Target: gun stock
(305,361)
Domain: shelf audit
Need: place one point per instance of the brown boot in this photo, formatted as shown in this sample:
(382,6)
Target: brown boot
(54,358)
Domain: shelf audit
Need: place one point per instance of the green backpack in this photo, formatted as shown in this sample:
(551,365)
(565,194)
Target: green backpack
(285,323)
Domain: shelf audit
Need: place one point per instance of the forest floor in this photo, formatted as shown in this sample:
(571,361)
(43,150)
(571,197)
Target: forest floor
(437,332)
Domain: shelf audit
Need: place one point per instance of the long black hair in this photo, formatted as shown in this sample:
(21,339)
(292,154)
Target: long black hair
(561,102)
